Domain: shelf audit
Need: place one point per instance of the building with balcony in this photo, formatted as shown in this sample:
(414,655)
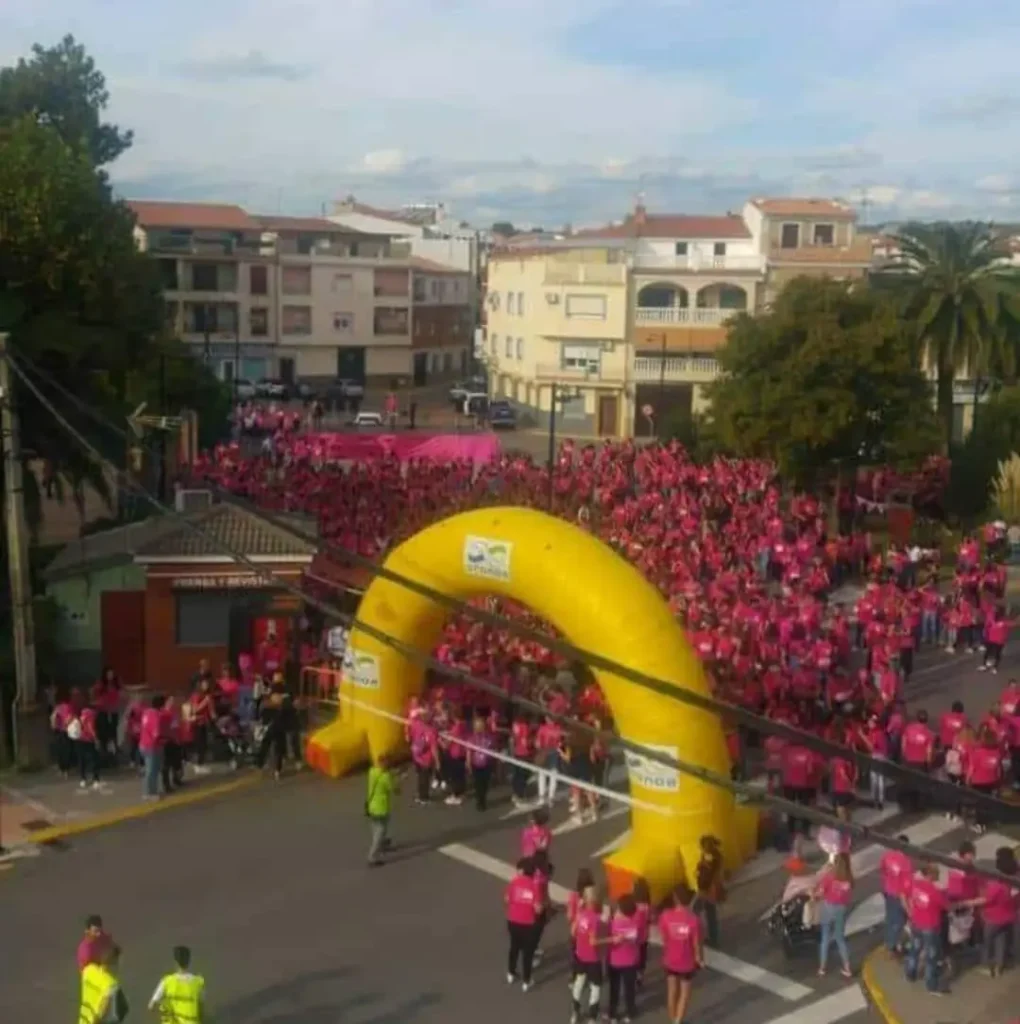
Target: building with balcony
(556,338)
(304,298)
(806,237)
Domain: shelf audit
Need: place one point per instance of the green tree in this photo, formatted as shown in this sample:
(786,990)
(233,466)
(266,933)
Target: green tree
(825,380)
(962,299)
(77,297)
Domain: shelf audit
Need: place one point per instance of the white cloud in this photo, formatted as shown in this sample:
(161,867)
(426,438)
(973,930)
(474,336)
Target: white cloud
(497,104)
(998,183)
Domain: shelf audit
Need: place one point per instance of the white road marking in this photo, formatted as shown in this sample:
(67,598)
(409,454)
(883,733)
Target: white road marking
(21,797)
(769,861)
(740,970)
(612,845)
(829,1009)
(575,824)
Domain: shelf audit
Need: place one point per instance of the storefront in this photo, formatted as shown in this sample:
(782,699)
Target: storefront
(200,603)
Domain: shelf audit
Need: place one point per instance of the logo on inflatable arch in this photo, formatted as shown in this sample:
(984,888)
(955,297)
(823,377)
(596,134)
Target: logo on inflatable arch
(361,669)
(487,559)
(653,775)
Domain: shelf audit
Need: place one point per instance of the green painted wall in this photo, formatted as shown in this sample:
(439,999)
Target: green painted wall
(80,626)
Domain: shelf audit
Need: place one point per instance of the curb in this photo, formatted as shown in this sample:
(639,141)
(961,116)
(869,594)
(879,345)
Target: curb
(100,821)
(873,991)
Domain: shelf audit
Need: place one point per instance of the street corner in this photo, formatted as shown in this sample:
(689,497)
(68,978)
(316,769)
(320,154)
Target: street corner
(878,971)
(47,813)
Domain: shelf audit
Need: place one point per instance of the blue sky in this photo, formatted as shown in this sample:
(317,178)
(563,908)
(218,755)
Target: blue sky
(553,112)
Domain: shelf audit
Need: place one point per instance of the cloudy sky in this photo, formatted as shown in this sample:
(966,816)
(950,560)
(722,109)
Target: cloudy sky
(549,112)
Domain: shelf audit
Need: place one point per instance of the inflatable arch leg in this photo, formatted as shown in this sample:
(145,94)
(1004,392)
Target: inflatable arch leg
(600,603)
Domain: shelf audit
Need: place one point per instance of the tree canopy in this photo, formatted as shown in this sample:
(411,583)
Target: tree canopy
(962,300)
(76,296)
(824,379)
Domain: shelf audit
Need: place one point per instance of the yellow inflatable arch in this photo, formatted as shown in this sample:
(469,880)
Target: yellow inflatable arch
(600,603)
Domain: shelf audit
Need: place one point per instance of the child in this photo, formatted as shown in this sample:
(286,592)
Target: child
(536,835)
(643,902)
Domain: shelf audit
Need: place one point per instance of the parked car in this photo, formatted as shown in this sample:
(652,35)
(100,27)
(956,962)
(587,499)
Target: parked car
(474,403)
(459,391)
(269,388)
(368,419)
(502,415)
(244,389)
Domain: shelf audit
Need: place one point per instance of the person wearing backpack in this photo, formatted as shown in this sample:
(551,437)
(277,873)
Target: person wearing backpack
(381,788)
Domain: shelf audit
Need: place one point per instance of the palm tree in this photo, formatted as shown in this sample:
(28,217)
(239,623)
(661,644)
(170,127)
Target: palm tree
(963,294)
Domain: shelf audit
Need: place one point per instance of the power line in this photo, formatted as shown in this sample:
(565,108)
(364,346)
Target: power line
(750,794)
(906,778)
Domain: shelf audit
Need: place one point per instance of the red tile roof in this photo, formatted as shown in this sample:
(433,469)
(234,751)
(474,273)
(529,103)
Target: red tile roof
(793,207)
(313,224)
(671,225)
(200,216)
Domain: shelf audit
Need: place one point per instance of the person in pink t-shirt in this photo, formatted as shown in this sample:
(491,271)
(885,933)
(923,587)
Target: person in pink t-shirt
(835,890)
(682,950)
(588,935)
(984,771)
(1000,907)
(895,870)
(94,942)
(643,902)
(536,835)
(523,911)
(151,742)
(63,750)
(624,957)
(926,903)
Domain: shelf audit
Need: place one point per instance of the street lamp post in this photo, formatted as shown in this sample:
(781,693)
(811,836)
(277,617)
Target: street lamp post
(553,401)
(237,351)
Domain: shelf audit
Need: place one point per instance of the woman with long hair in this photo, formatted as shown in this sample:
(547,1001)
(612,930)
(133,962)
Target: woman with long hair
(682,951)
(835,891)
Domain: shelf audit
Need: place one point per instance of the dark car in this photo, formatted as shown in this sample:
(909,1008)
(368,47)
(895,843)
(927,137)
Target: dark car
(502,416)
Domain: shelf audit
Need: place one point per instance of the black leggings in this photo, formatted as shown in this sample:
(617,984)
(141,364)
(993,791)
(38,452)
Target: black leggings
(424,775)
(625,979)
(456,775)
(88,760)
(277,739)
(523,942)
(482,777)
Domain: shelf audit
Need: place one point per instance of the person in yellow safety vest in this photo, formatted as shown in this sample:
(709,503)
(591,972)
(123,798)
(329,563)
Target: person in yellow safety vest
(100,989)
(180,997)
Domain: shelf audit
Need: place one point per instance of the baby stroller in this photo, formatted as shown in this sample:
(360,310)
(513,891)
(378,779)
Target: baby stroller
(793,920)
(235,739)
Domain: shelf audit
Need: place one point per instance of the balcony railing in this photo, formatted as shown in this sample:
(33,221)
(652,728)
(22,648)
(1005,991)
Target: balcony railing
(577,374)
(585,273)
(677,369)
(682,316)
(699,263)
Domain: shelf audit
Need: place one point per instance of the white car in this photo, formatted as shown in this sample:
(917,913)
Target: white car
(368,419)
(244,389)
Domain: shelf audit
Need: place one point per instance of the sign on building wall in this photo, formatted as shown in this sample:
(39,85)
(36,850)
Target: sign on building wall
(221,582)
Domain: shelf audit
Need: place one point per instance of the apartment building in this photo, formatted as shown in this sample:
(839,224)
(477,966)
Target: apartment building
(806,237)
(556,340)
(659,290)
(304,298)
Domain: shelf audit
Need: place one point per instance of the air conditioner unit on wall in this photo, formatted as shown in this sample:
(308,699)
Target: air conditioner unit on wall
(192,500)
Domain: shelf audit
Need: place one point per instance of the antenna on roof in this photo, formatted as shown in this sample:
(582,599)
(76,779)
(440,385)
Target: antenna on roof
(865,203)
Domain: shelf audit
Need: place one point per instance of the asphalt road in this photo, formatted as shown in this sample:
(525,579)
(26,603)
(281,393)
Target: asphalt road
(289,926)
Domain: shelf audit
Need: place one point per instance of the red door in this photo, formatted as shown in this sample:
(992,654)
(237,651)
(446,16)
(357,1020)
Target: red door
(123,634)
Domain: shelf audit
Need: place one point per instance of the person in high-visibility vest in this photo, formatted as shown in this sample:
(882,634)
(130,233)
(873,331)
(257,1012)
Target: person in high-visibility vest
(180,997)
(99,989)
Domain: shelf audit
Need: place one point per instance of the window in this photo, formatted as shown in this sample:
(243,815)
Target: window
(420,291)
(520,303)
(343,322)
(305,244)
(258,280)
(510,303)
(719,249)
(434,289)
(447,362)
(205,277)
(296,281)
(168,274)
(390,320)
(789,236)
(297,320)
(494,344)
(520,348)
(587,358)
(825,234)
(573,408)
(586,307)
(258,321)
(392,283)
(203,619)
(681,248)
(342,282)
(509,347)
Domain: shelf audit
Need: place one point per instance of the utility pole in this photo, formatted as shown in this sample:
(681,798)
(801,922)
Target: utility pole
(17,550)
(554,398)
(162,491)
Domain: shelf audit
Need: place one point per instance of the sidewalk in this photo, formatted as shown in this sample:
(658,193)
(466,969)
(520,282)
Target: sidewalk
(42,807)
(973,997)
